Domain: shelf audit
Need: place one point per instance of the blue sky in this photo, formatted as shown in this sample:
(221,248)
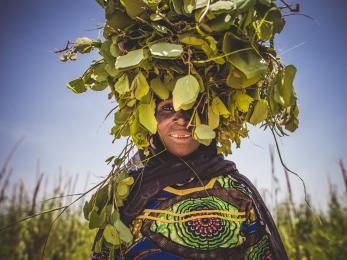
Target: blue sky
(65,129)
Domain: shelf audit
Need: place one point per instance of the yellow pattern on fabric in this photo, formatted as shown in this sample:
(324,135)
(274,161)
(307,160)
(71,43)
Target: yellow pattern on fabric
(190,219)
(191,190)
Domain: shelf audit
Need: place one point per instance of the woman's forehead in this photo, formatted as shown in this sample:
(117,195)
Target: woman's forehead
(164,102)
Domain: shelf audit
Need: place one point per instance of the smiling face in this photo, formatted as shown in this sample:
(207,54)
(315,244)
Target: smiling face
(173,131)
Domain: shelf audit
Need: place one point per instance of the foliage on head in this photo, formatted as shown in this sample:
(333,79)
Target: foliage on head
(218,55)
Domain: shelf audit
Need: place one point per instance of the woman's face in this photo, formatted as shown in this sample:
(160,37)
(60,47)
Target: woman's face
(173,131)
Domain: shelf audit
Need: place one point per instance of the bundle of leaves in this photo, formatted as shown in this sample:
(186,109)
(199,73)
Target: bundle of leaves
(216,58)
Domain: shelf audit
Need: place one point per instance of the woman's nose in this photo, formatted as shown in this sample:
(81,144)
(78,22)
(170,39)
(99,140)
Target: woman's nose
(182,116)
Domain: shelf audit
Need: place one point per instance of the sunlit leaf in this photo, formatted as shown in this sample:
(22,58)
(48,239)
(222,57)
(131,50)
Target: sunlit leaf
(122,84)
(219,108)
(159,88)
(287,89)
(166,50)
(204,134)
(111,235)
(242,101)
(185,92)
(131,59)
(147,117)
(140,86)
(259,112)
(124,232)
(77,86)
(213,118)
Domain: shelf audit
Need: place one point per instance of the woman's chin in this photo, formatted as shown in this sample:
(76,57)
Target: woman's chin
(183,150)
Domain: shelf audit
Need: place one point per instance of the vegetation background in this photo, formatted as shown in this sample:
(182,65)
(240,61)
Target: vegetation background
(307,232)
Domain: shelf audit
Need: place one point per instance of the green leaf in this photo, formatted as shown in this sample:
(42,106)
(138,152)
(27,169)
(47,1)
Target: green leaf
(140,86)
(147,117)
(287,89)
(204,134)
(131,102)
(248,62)
(205,45)
(293,122)
(114,51)
(96,220)
(83,41)
(134,7)
(111,235)
(98,246)
(236,79)
(139,134)
(122,190)
(111,70)
(99,76)
(121,116)
(221,7)
(275,17)
(77,86)
(122,84)
(161,29)
(124,232)
(117,20)
(166,50)
(190,5)
(159,88)
(102,197)
(259,112)
(105,52)
(219,108)
(178,6)
(87,208)
(213,118)
(221,23)
(131,59)
(85,45)
(185,92)
(242,101)
(266,2)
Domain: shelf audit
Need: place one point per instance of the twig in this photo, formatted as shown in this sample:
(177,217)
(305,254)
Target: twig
(295,9)
(205,12)
(65,49)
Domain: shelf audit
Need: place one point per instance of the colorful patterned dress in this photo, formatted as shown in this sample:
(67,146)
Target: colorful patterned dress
(189,221)
(205,211)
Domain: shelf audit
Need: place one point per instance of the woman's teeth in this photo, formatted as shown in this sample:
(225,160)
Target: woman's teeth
(180,136)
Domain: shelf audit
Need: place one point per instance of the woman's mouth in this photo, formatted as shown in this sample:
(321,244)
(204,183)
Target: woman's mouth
(180,136)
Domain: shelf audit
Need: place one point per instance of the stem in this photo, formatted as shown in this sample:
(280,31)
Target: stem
(286,168)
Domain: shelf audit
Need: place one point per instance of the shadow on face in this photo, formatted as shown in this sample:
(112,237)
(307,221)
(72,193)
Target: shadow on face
(173,131)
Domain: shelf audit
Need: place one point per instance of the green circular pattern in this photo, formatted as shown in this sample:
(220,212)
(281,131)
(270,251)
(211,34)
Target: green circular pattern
(203,233)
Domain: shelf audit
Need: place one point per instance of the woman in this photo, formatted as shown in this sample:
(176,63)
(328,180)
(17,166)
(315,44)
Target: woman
(189,203)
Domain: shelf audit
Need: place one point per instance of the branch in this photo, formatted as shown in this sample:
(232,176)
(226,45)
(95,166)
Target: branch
(65,49)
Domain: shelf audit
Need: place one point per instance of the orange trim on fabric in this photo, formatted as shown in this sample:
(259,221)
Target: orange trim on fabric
(191,190)
(189,219)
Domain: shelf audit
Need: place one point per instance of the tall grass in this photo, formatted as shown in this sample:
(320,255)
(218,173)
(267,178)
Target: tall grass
(307,233)
(70,237)
(311,234)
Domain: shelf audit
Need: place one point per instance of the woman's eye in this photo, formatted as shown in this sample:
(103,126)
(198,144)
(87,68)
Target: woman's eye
(168,107)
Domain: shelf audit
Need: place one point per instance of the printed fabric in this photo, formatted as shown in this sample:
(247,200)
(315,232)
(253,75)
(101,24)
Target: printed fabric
(210,219)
